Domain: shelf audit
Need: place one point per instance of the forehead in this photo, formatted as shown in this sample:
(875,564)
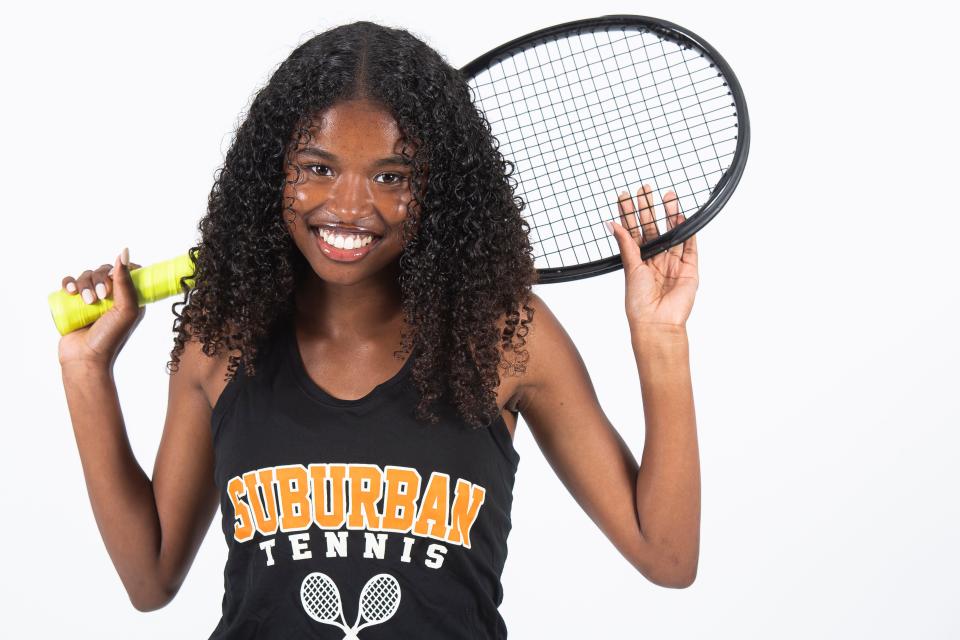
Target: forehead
(355,122)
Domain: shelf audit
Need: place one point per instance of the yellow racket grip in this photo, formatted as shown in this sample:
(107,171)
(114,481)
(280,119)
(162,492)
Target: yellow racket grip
(152,282)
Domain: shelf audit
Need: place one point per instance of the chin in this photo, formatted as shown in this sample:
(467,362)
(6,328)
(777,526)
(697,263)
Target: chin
(352,273)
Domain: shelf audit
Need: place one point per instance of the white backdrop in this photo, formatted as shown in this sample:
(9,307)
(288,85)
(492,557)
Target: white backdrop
(824,343)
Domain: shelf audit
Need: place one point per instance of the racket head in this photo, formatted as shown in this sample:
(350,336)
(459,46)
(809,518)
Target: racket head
(379,598)
(587,109)
(320,598)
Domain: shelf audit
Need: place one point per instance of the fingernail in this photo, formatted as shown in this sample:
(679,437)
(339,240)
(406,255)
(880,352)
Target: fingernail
(71,287)
(101,290)
(87,296)
(609,226)
(125,257)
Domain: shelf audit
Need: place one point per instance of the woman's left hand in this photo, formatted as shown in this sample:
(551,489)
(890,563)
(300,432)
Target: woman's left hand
(660,290)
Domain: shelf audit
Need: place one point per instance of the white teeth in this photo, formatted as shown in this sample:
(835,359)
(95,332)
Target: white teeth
(346,241)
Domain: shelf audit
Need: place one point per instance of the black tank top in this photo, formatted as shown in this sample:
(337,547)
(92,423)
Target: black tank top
(351,519)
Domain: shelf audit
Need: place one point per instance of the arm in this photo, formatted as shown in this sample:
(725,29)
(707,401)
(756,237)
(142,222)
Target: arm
(668,483)
(152,529)
(651,511)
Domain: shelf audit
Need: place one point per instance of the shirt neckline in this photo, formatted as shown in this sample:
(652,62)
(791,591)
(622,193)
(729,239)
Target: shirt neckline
(319,393)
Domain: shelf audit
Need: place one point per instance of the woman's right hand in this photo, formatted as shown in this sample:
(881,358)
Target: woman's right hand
(99,344)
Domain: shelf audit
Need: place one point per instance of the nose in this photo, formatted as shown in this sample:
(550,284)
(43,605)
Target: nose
(350,198)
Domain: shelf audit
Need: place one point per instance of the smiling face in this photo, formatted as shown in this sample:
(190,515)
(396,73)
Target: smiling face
(349,201)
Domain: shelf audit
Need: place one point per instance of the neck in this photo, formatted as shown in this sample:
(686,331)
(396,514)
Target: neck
(358,313)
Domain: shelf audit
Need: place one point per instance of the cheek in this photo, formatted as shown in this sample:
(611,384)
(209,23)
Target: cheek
(400,207)
(300,192)
(294,204)
(296,196)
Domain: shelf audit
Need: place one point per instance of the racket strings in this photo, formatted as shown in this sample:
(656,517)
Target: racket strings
(590,202)
(723,110)
(535,94)
(588,114)
(683,114)
(380,598)
(610,165)
(320,597)
(635,223)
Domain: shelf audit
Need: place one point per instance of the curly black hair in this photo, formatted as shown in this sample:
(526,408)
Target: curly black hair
(467,260)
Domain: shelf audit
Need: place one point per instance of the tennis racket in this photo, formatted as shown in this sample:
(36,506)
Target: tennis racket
(590,108)
(321,600)
(584,110)
(379,600)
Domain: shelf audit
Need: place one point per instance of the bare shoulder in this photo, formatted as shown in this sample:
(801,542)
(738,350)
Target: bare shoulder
(546,345)
(550,354)
(202,371)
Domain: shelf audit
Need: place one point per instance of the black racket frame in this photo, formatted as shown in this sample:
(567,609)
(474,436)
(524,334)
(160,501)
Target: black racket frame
(725,186)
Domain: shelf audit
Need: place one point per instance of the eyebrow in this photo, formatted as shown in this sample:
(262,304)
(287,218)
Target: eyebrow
(326,155)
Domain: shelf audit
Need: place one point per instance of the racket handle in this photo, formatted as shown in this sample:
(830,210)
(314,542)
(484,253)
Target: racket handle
(152,282)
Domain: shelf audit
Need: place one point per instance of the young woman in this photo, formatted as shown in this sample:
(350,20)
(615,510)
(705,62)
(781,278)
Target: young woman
(349,369)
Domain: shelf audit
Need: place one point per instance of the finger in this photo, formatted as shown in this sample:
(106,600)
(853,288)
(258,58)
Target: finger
(85,287)
(70,284)
(133,267)
(124,293)
(629,249)
(672,208)
(647,219)
(101,283)
(628,218)
(691,255)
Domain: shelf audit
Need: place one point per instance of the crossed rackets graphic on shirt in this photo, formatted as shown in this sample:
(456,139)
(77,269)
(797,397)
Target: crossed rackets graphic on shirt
(379,600)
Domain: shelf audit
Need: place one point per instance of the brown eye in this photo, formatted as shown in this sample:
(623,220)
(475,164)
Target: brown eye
(316,169)
(393,178)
